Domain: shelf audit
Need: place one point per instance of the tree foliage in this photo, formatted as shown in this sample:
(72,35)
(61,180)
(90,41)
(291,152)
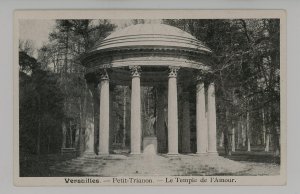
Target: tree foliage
(40,108)
(246,69)
(68,40)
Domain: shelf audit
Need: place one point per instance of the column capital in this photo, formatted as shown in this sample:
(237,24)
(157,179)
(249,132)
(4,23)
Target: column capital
(199,78)
(203,76)
(104,75)
(200,86)
(173,71)
(211,83)
(211,89)
(135,71)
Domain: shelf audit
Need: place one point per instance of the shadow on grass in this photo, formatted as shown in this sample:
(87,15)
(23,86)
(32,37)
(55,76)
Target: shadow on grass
(256,155)
(39,165)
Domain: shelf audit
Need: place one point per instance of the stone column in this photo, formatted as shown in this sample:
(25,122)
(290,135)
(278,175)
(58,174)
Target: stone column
(212,125)
(186,137)
(172,112)
(201,121)
(90,126)
(104,115)
(135,134)
(112,114)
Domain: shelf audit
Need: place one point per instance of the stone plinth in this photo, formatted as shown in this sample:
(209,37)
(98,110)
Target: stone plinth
(150,145)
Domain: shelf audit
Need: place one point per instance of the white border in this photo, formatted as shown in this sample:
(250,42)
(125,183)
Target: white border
(6,95)
(153,14)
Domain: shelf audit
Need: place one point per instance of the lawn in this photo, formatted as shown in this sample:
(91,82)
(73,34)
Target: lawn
(240,163)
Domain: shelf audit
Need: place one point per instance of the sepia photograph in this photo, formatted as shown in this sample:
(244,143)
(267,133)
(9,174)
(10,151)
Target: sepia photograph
(149,98)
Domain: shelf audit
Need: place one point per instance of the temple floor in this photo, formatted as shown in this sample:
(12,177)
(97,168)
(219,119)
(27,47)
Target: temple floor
(159,165)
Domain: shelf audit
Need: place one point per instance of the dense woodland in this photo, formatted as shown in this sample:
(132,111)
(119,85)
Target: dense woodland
(53,91)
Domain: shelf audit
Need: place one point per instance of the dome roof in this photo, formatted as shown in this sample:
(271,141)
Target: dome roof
(151,35)
(148,45)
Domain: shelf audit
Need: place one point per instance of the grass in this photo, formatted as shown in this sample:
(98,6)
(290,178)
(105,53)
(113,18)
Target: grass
(39,165)
(257,162)
(257,154)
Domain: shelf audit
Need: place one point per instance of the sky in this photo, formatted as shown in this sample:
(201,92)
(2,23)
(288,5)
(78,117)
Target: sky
(38,30)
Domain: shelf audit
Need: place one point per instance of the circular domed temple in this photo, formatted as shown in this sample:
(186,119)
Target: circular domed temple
(160,56)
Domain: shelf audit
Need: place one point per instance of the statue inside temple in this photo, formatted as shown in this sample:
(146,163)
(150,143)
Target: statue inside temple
(150,131)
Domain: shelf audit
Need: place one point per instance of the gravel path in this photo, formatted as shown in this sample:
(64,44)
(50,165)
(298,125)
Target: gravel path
(162,165)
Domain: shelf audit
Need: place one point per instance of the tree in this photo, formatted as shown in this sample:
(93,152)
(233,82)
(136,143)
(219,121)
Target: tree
(70,39)
(246,69)
(40,109)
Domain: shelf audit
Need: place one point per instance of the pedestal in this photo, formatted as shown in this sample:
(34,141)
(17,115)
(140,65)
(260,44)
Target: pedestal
(150,145)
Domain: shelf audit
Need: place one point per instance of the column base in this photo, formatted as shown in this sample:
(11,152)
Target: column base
(201,154)
(213,154)
(103,154)
(172,154)
(89,155)
(135,154)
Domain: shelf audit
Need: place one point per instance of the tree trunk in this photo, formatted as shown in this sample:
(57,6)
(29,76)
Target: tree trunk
(244,132)
(263,127)
(77,139)
(274,132)
(38,147)
(48,144)
(221,139)
(225,132)
(80,118)
(267,148)
(64,134)
(238,134)
(248,133)
(233,139)
(71,134)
